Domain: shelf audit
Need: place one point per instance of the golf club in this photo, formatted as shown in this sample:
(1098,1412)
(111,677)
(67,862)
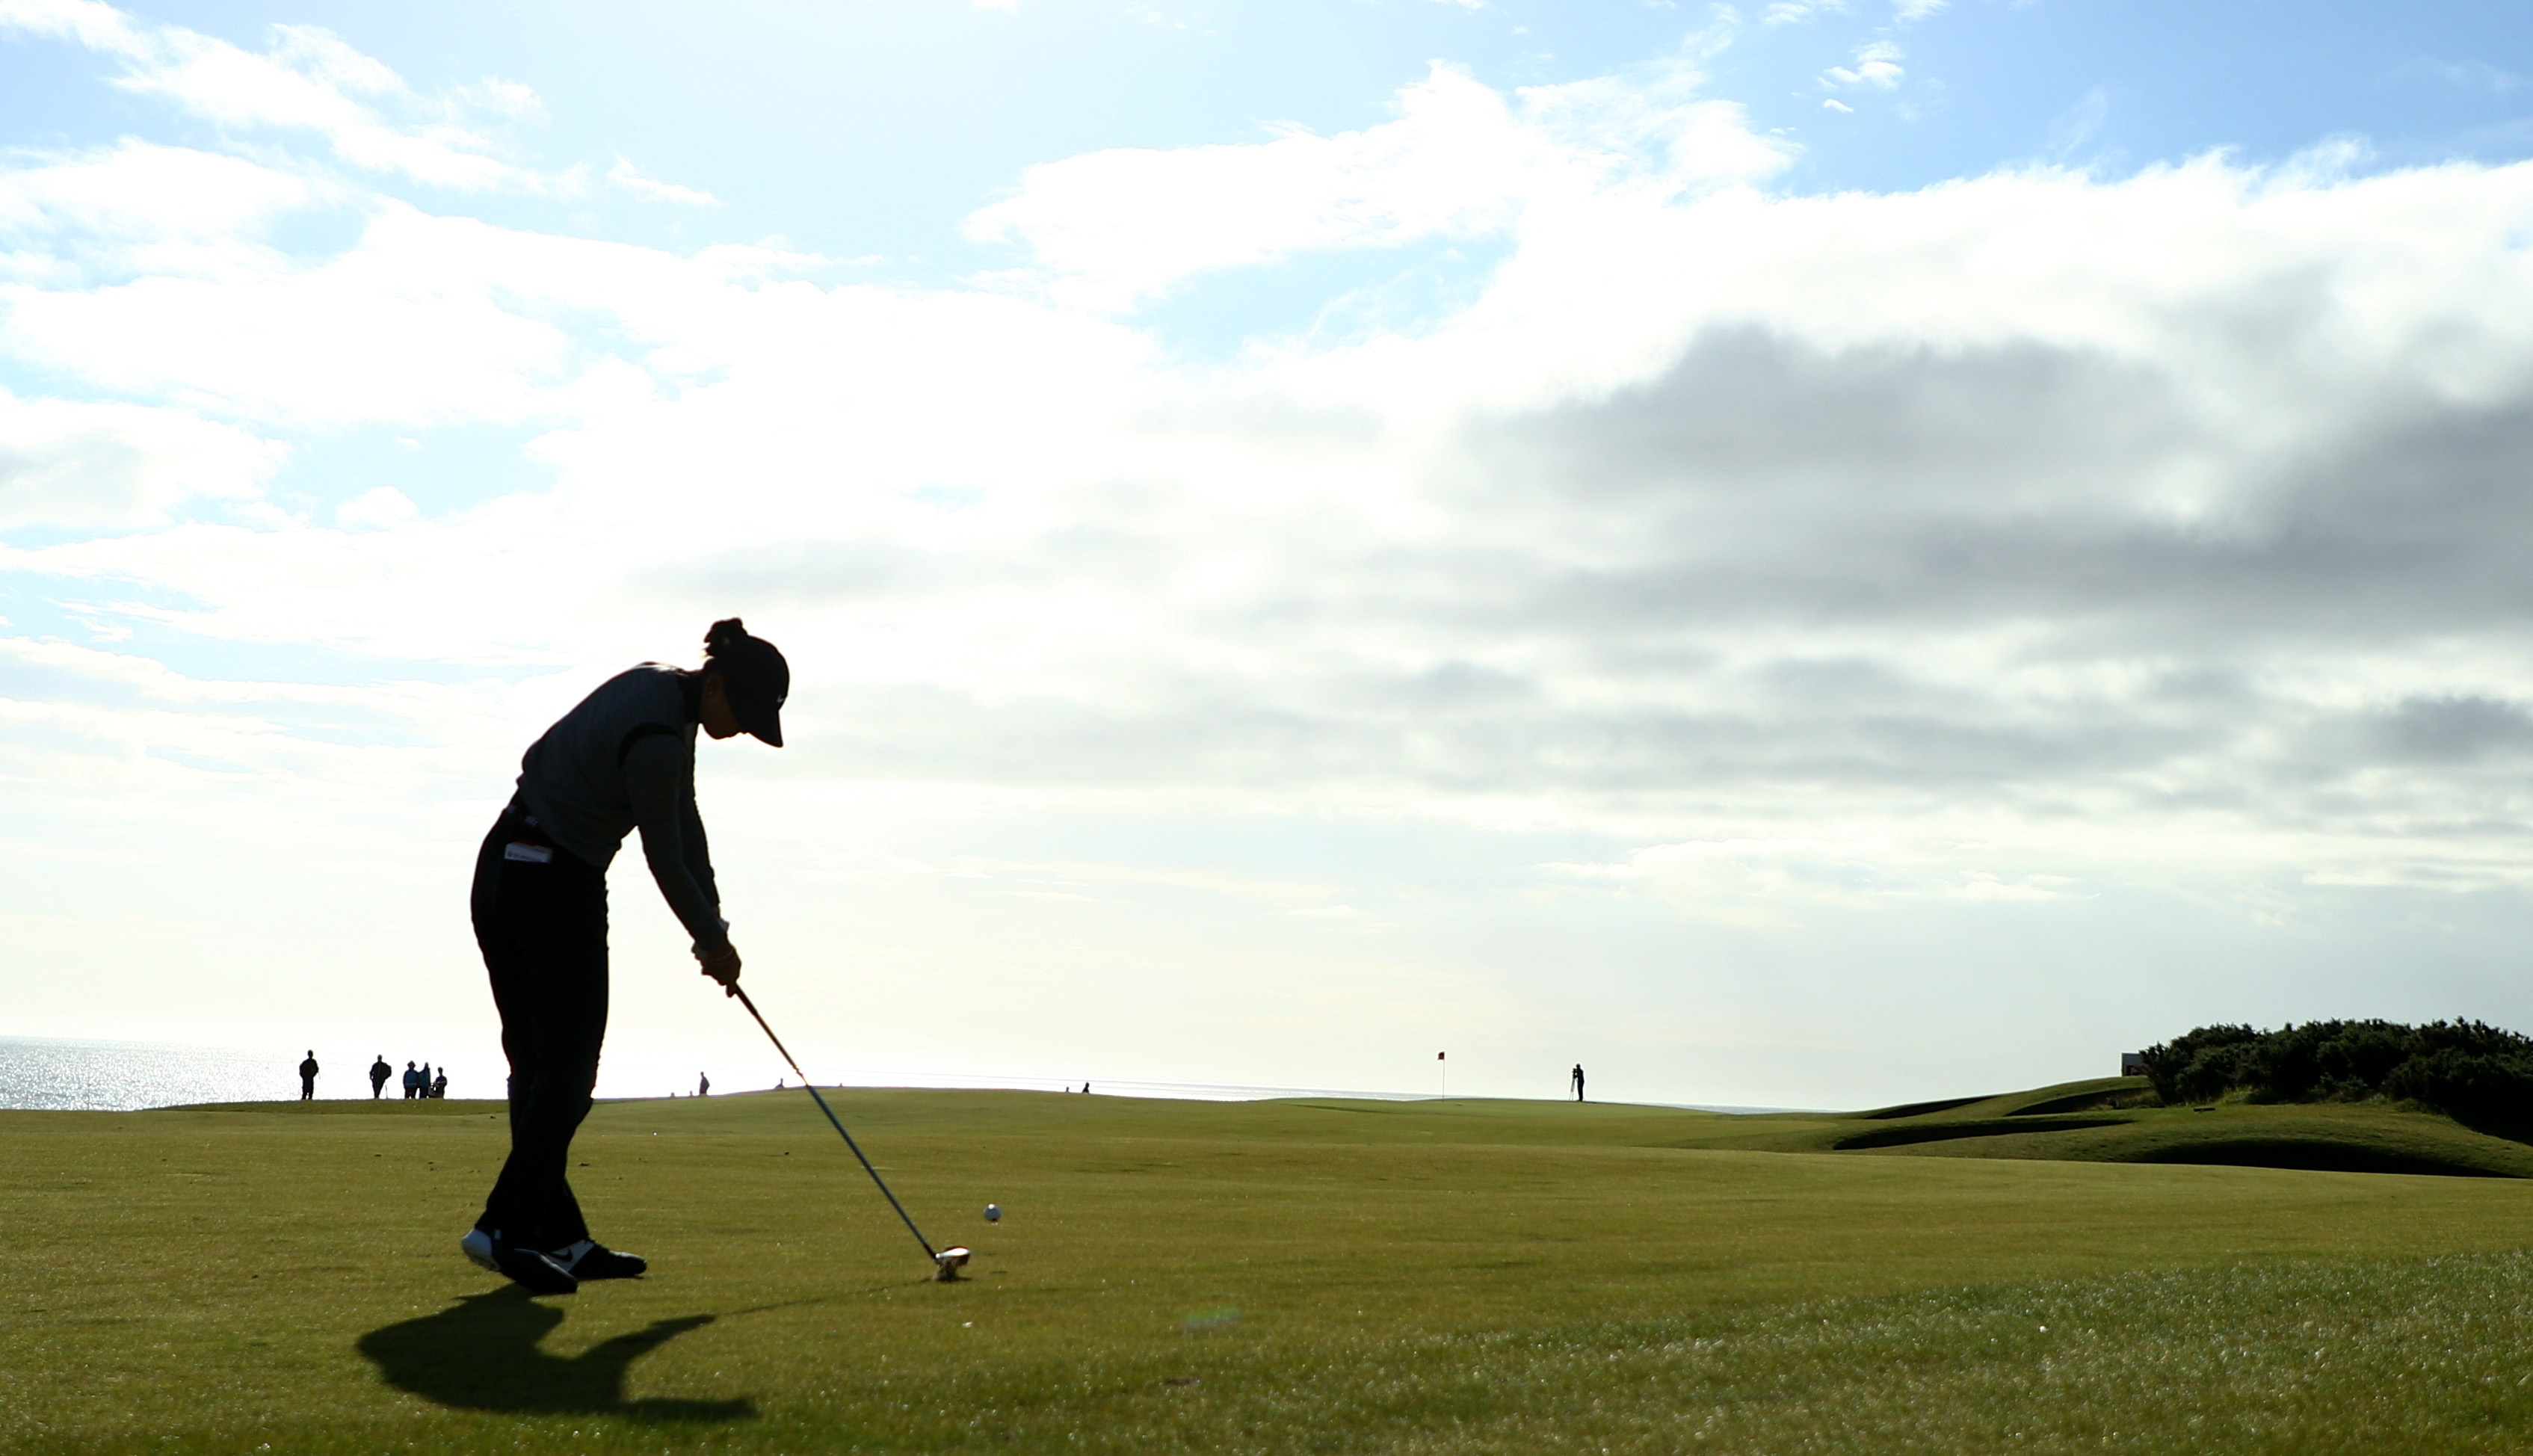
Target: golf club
(946,1262)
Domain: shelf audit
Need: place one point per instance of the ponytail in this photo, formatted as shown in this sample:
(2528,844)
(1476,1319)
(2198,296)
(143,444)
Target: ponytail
(723,634)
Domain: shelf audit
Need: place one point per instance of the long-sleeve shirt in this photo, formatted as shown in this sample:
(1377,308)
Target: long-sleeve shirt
(624,759)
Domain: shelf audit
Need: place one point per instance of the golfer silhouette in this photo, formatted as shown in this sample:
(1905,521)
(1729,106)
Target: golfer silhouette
(622,760)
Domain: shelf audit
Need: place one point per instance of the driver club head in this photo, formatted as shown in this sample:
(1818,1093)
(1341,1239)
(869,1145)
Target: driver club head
(947,1263)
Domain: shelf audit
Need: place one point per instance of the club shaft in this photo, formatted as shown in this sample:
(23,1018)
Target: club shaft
(928,1251)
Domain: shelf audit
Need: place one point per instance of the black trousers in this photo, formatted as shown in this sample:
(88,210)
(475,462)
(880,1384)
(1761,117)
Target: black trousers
(542,927)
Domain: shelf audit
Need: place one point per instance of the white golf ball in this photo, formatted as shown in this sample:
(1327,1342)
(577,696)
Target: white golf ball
(993,1213)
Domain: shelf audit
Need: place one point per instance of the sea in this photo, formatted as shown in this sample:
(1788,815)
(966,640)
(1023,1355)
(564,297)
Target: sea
(41,1074)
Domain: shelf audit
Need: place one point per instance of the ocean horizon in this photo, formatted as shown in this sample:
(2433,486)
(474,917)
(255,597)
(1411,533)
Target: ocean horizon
(79,1075)
(75,1075)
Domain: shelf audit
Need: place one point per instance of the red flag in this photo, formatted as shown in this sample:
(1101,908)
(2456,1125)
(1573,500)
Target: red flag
(1438,1056)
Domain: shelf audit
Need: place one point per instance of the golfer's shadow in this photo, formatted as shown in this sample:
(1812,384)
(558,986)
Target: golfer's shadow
(481,1354)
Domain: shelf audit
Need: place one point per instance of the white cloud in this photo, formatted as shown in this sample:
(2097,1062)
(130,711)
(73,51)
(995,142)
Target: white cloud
(426,319)
(1461,161)
(1799,12)
(1906,11)
(630,178)
(1760,880)
(1877,68)
(97,464)
(378,508)
(135,192)
(307,80)
(89,22)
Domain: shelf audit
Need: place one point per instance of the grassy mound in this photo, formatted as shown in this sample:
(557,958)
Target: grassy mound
(1293,1276)
(2103,1121)
(1950,1129)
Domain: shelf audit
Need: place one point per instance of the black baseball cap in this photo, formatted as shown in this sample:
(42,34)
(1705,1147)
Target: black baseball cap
(753,675)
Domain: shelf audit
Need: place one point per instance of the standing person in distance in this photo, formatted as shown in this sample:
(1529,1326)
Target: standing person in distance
(379,1071)
(1579,1081)
(622,760)
(308,1076)
(412,1081)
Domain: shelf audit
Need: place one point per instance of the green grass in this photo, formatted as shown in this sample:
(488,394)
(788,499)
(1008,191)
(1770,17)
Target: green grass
(2105,1120)
(1292,1276)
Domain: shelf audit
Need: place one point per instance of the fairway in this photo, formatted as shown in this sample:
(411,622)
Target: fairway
(1282,1277)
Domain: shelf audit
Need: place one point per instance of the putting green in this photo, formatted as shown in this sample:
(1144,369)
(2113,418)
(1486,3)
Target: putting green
(1290,1276)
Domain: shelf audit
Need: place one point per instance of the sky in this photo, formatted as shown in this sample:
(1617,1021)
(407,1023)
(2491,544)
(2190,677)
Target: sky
(1804,554)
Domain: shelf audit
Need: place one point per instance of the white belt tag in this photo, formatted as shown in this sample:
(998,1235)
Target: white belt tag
(528,854)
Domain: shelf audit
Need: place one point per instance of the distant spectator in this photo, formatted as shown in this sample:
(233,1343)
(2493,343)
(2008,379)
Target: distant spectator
(412,1082)
(703,1084)
(440,1085)
(1579,1081)
(308,1076)
(379,1071)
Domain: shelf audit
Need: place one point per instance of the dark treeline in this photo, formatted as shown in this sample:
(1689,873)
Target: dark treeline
(2472,1072)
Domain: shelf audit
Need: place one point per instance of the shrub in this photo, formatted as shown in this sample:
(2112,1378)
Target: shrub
(2471,1072)
(2197,1064)
(2469,1087)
